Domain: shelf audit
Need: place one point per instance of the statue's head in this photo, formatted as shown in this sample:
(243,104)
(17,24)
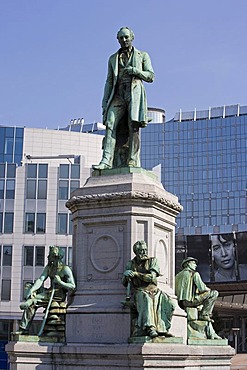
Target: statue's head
(190,262)
(125,37)
(140,249)
(55,255)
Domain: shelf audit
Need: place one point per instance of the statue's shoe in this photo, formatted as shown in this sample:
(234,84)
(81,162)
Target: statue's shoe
(153,333)
(132,164)
(216,336)
(21,332)
(102,166)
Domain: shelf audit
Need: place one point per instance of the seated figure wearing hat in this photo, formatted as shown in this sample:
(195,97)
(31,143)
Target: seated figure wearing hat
(193,293)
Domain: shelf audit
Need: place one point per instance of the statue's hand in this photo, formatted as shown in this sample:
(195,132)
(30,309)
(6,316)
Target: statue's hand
(129,70)
(57,279)
(30,294)
(130,273)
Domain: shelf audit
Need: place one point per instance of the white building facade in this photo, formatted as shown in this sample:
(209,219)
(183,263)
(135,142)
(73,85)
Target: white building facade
(39,168)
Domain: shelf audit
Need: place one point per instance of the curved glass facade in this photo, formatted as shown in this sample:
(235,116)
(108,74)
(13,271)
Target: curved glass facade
(204,162)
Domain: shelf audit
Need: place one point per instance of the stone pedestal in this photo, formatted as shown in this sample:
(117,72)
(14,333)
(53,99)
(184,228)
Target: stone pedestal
(110,213)
(147,356)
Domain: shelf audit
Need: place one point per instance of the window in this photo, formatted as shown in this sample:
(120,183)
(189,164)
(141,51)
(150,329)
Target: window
(28,255)
(36,186)
(11,171)
(10,189)
(63,189)
(6,289)
(1,189)
(2,170)
(75,171)
(40,224)
(64,171)
(32,171)
(1,223)
(42,189)
(74,185)
(69,180)
(7,255)
(8,148)
(43,170)
(8,222)
(31,189)
(67,255)
(29,222)
(30,252)
(39,256)
(62,223)
(70,224)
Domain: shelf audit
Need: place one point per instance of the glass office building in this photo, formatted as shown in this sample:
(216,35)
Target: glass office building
(203,161)
(203,158)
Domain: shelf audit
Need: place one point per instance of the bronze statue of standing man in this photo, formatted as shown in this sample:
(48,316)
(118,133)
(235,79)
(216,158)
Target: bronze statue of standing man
(124,103)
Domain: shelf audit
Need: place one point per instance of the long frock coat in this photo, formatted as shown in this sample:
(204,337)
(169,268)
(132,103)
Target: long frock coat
(142,71)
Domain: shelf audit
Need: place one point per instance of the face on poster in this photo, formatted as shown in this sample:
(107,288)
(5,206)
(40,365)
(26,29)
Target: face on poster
(222,257)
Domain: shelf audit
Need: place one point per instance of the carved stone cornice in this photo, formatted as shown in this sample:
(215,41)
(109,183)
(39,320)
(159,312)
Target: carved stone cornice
(135,195)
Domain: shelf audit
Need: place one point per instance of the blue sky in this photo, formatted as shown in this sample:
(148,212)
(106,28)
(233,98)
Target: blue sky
(54,55)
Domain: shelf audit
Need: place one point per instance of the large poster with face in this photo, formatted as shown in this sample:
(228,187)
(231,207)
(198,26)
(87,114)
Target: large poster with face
(221,257)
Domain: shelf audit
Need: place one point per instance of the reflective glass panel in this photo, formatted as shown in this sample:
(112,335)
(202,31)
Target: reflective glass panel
(8,222)
(31,170)
(75,171)
(43,169)
(40,223)
(10,189)
(8,148)
(18,145)
(11,171)
(74,185)
(64,171)
(63,189)
(42,189)
(1,223)
(28,255)
(39,256)
(62,223)
(29,223)
(6,290)
(7,255)
(2,170)
(1,189)
(31,189)
(9,131)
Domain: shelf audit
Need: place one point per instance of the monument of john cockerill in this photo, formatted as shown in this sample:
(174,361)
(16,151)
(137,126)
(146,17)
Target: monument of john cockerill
(122,205)
(124,103)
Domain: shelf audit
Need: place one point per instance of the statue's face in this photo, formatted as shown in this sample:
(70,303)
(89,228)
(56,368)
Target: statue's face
(53,257)
(124,39)
(141,252)
(192,265)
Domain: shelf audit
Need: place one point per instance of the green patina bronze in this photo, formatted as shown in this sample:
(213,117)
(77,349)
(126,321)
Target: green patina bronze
(125,104)
(151,309)
(197,300)
(53,299)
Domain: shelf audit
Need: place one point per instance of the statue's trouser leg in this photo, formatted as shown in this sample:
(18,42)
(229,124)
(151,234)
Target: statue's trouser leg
(134,145)
(208,304)
(146,310)
(207,300)
(27,317)
(114,115)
